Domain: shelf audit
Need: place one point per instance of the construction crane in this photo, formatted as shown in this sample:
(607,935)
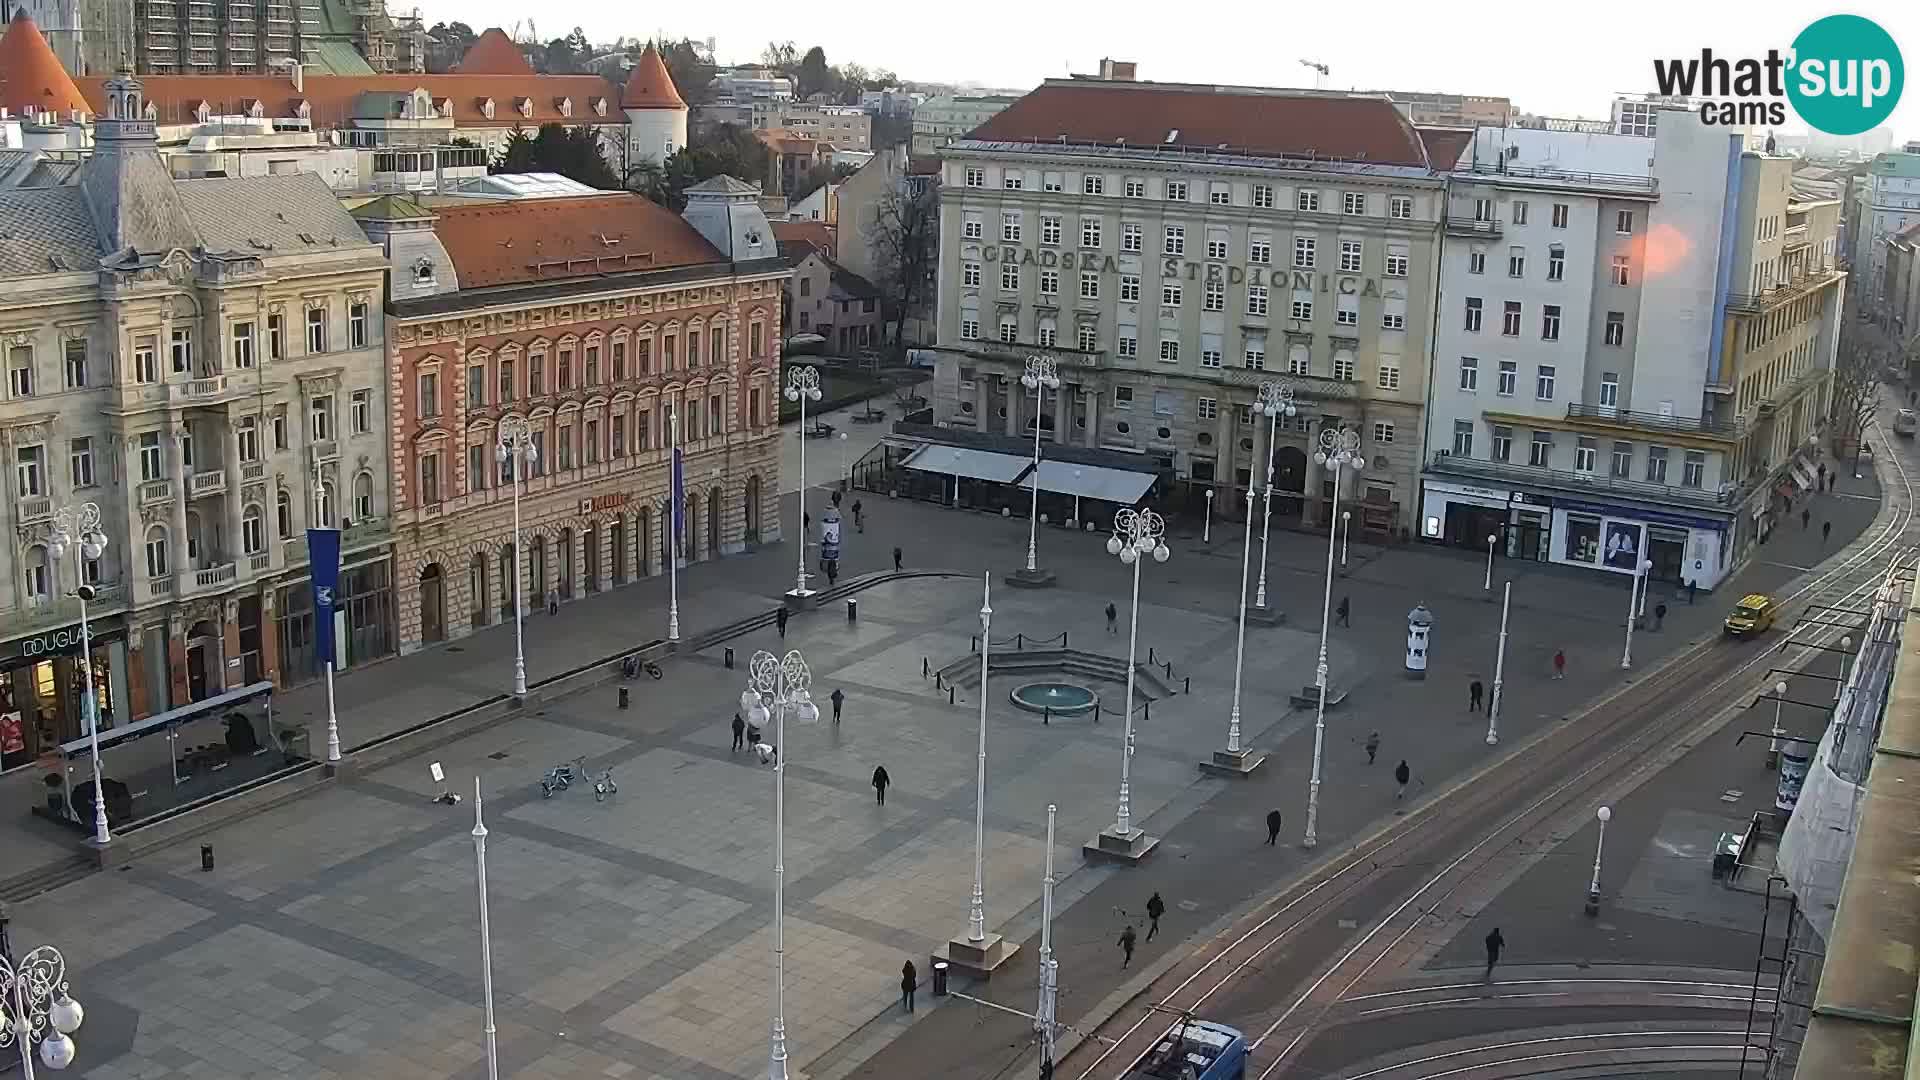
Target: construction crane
(1322,71)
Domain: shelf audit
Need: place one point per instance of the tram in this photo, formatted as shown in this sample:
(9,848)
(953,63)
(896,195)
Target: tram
(1903,423)
(1193,1050)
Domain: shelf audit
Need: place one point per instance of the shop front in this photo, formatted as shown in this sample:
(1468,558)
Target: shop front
(43,687)
(1464,516)
(1682,548)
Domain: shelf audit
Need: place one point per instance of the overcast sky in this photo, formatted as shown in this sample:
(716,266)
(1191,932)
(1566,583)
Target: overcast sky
(1559,60)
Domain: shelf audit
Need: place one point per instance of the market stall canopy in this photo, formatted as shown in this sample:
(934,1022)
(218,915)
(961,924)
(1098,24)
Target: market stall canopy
(973,464)
(1119,486)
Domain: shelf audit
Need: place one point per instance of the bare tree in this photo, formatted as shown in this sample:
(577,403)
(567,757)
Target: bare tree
(905,243)
(1857,373)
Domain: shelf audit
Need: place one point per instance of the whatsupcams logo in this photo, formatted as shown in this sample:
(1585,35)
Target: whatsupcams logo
(1843,76)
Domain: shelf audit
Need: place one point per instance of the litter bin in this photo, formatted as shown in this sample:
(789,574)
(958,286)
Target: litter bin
(853,610)
(1726,855)
(939,978)
(623,697)
(729,658)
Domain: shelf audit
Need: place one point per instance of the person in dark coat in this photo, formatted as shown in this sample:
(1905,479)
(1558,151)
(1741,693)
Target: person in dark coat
(1806,518)
(780,620)
(1113,618)
(880,782)
(896,558)
(1826,532)
(1401,774)
(1693,587)
(1373,746)
(1495,943)
(739,732)
(839,698)
(1126,942)
(1344,611)
(909,981)
(1474,694)
(1156,907)
(1273,827)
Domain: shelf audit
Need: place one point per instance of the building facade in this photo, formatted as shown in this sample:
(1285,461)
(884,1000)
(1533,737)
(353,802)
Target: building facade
(1886,200)
(826,298)
(1582,412)
(938,121)
(631,325)
(1173,247)
(202,360)
(1427,108)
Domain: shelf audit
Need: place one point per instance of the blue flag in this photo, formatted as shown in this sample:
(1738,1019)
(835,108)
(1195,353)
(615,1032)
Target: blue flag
(679,497)
(323,551)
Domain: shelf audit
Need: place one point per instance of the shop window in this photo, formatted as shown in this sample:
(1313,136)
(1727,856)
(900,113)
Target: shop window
(1583,538)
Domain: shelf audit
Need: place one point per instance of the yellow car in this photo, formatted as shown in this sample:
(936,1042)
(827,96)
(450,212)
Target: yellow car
(1753,615)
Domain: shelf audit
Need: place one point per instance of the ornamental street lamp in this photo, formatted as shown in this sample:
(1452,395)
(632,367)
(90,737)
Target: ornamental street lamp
(486,932)
(1633,599)
(1136,534)
(1499,670)
(77,529)
(1486,587)
(803,385)
(778,684)
(1339,451)
(1605,814)
(1043,374)
(1237,760)
(35,1007)
(1273,402)
(1773,745)
(516,451)
(1043,1016)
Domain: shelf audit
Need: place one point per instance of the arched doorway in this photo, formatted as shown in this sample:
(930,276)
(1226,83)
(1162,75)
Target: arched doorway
(751,508)
(507,580)
(1289,479)
(618,533)
(591,538)
(564,553)
(203,661)
(690,532)
(643,530)
(713,523)
(667,547)
(477,607)
(537,573)
(433,604)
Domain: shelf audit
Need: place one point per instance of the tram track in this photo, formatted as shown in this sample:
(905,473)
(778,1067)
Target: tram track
(1468,825)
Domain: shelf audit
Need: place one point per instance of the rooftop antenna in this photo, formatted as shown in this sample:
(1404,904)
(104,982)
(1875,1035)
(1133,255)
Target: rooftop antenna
(1321,72)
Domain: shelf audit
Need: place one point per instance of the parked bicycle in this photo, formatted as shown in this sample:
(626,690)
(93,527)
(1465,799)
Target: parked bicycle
(562,777)
(603,785)
(632,666)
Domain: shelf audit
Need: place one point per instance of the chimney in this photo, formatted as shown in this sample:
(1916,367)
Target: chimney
(1117,70)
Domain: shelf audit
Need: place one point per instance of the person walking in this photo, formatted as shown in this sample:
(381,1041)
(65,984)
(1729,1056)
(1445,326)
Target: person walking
(896,558)
(1826,532)
(1474,694)
(739,733)
(1273,827)
(1693,586)
(1806,518)
(1113,618)
(1659,615)
(553,602)
(1401,774)
(1126,942)
(1560,663)
(839,698)
(1343,611)
(780,620)
(1821,483)
(1494,944)
(833,572)
(909,982)
(859,517)
(1156,907)
(880,782)
(1373,746)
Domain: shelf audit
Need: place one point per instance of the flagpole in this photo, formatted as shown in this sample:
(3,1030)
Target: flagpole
(673,547)
(333,716)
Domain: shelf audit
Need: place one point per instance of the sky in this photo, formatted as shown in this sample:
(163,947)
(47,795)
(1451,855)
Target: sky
(1556,60)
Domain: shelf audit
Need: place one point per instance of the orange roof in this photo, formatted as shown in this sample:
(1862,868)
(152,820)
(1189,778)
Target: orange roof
(531,240)
(494,53)
(650,86)
(31,78)
(817,235)
(333,99)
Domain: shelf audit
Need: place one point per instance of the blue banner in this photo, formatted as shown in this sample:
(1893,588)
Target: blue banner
(679,498)
(323,551)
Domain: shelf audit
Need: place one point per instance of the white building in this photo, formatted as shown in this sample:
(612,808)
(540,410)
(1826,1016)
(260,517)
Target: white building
(938,121)
(1886,201)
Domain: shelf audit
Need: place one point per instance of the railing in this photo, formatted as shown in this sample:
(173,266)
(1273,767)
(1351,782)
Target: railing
(34,508)
(253,470)
(1580,481)
(197,389)
(155,491)
(208,482)
(1466,226)
(1780,294)
(1020,351)
(1646,421)
(324,451)
(224,574)
(260,563)
(1565,176)
(160,586)
(365,531)
(1312,386)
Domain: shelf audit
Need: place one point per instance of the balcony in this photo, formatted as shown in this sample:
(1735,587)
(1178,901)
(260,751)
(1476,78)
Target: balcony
(1312,387)
(1759,303)
(324,451)
(1473,227)
(253,471)
(197,391)
(1064,358)
(214,577)
(1654,422)
(207,482)
(155,492)
(63,610)
(260,563)
(1593,483)
(1535,176)
(34,508)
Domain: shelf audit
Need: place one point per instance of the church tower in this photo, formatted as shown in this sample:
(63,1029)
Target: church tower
(656,114)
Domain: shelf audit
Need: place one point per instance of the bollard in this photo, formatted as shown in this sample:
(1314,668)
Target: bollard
(623,697)
(925,666)
(1150,658)
(853,609)
(1169,669)
(1187,687)
(1146,712)
(729,658)
(949,693)
(1019,642)
(1046,714)
(206,858)
(973,643)
(937,684)
(1096,712)
(939,978)
(1063,639)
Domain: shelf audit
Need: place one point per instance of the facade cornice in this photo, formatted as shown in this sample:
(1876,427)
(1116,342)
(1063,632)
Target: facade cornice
(1135,158)
(515,297)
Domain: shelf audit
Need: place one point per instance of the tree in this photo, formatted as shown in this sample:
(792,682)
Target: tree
(904,237)
(692,69)
(780,55)
(557,57)
(1857,372)
(446,44)
(725,150)
(572,152)
(813,76)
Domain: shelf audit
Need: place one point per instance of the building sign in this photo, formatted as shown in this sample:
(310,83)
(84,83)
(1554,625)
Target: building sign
(66,639)
(1085,261)
(604,502)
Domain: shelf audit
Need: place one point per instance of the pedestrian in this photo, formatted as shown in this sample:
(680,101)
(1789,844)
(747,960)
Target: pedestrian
(1113,618)
(553,602)
(1806,518)
(1373,746)
(880,782)
(1273,827)
(806,523)
(896,558)
(909,981)
(1126,941)
(839,698)
(1156,907)
(1560,663)
(1343,611)
(1822,484)
(1659,616)
(833,571)
(739,733)
(780,620)
(1401,774)
(1474,693)
(1693,586)
(1826,532)
(1494,944)
(859,519)
(753,735)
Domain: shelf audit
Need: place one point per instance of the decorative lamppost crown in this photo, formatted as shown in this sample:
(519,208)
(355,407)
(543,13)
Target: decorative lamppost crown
(516,440)
(1041,371)
(1137,533)
(1338,447)
(38,983)
(803,382)
(1274,400)
(78,524)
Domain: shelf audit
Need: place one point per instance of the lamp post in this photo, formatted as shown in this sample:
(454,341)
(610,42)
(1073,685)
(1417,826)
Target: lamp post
(1346,527)
(803,385)
(79,527)
(1499,670)
(779,684)
(977,913)
(1206,526)
(1486,586)
(1773,745)
(1605,814)
(675,496)
(1236,760)
(1049,967)
(35,1007)
(486,931)
(516,451)
(1633,599)
(1136,535)
(1339,450)
(1273,402)
(1042,375)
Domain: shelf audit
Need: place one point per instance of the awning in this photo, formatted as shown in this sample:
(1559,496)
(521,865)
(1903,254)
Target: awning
(973,464)
(1094,482)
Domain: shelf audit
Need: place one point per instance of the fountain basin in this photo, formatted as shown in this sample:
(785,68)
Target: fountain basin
(1057,698)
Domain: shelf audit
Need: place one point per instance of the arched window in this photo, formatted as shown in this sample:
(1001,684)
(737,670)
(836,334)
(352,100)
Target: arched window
(157,564)
(363,496)
(283,513)
(38,581)
(253,533)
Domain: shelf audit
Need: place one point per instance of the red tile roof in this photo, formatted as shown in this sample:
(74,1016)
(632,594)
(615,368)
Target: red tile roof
(817,235)
(514,242)
(1144,114)
(1445,145)
(650,86)
(31,78)
(494,53)
(332,98)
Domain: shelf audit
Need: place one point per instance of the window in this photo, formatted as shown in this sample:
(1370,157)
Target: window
(1473,314)
(1517,260)
(1616,327)
(357,325)
(1400,206)
(1170,294)
(1050,230)
(1509,378)
(1622,460)
(1052,182)
(1176,191)
(1127,344)
(1131,236)
(1353,203)
(1609,389)
(1346,311)
(1394,315)
(363,488)
(1693,469)
(181,350)
(242,345)
(20,372)
(1307,200)
(1220,195)
(476,385)
(1351,256)
(1091,184)
(1560,211)
(1256,354)
(317,330)
(1046,333)
(1089,339)
(1502,444)
(618,426)
(506,381)
(1256,299)
(590,441)
(1520,212)
(276,337)
(537,373)
(1009,277)
(280,430)
(1263,196)
(1387,377)
(1260,251)
(1343,366)
(1210,352)
(1543,378)
(283,514)
(80,462)
(970,326)
(1012,180)
(1303,251)
(1089,286)
(1175,242)
(620,359)
(1623,222)
(1208,409)
(1656,464)
(1463,438)
(1470,373)
(1136,189)
(1477,261)
(1303,310)
(1217,247)
(1382,431)
(1090,232)
(1540,452)
(1216,296)
(1169,351)
(247,436)
(969,276)
(1396,264)
(1010,226)
(1123,397)
(157,552)
(1620,274)
(146,363)
(320,419)
(1049,282)
(972,228)
(1299,361)
(1556,263)
(976,178)
(1130,288)
(1009,330)
(1586,452)
(1550,323)
(1483,209)
(756,341)
(253,531)
(1510,319)
(28,468)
